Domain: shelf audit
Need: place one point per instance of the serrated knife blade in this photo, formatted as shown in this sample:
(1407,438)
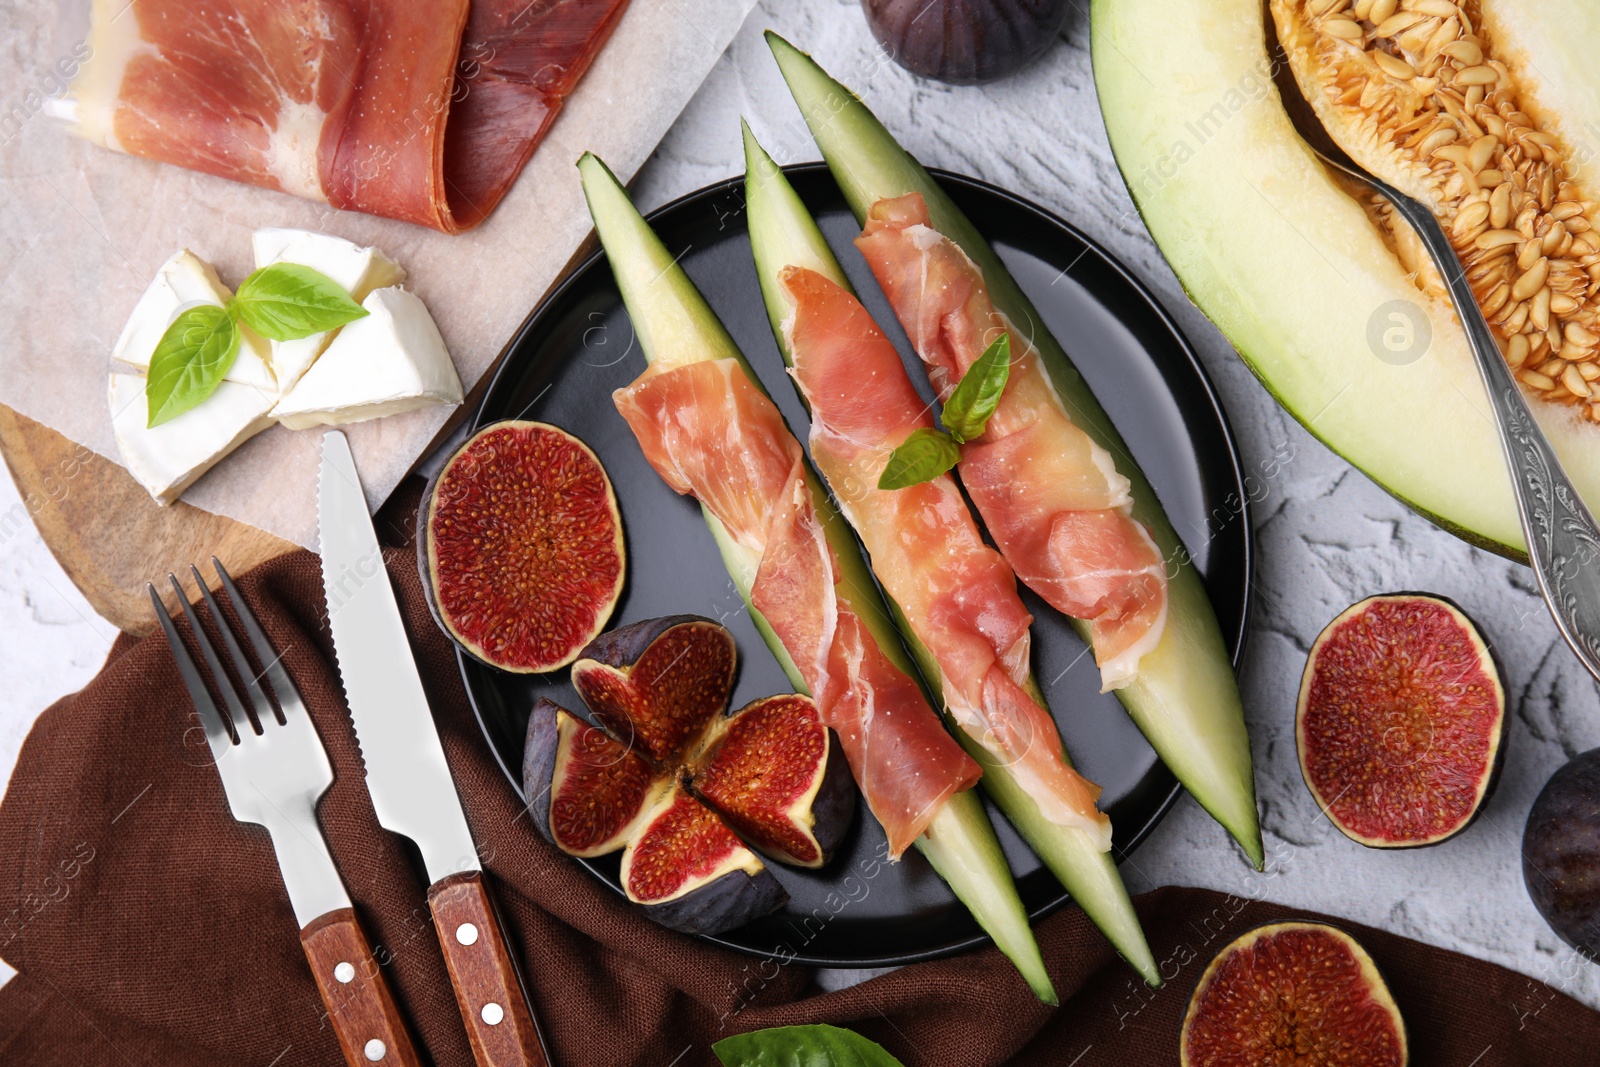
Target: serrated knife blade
(410,783)
(412,791)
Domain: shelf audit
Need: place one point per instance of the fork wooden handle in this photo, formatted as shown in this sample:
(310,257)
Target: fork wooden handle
(488,985)
(364,1015)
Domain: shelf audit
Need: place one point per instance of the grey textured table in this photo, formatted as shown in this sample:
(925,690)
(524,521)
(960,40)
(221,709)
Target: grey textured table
(1326,535)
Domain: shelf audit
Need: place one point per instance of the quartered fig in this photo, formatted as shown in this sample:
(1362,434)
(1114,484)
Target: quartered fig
(1401,721)
(690,792)
(519,541)
(1292,994)
(694,874)
(1561,853)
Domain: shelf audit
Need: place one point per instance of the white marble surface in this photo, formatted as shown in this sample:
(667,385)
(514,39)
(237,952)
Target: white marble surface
(1327,536)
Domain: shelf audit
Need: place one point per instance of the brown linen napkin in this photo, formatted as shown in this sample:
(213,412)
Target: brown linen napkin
(150,928)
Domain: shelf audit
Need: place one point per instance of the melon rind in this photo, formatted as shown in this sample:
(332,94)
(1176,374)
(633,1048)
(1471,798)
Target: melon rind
(1289,267)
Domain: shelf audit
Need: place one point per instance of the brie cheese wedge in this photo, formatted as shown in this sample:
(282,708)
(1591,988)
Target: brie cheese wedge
(358,270)
(167,459)
(184,281)
(390,361)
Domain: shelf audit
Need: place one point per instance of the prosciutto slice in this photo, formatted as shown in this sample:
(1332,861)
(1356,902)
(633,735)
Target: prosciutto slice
(421,110)
(1050,496)
(959,595)
(712,434)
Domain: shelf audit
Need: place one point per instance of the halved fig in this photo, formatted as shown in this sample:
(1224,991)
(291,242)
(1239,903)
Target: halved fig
(690,792)
(1401,721)
(658,682)
(1561,853)
(773,773)
(692,873)
(519,541)
(1297,993)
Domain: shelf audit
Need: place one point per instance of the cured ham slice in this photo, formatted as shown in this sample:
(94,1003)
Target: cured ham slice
(421,110)
(712,434)
(959,595)
(1050,496)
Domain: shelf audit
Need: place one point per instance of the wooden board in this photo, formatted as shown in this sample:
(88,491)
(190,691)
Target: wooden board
(107,533)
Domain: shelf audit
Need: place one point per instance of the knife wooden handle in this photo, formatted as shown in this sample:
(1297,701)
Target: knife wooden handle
(363,1012)
(488,984)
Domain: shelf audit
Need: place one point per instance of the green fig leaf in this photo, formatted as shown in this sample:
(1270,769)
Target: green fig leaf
(802,1046)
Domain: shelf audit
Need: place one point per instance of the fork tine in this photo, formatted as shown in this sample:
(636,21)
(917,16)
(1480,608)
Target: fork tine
(282,685)
(219,732)
(263,706)
(236,711)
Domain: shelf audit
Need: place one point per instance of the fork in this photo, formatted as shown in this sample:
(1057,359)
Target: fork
(1563,538)
(274,769)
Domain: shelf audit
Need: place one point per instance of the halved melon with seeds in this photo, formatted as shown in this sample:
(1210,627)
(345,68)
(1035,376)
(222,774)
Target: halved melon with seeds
(1484,111)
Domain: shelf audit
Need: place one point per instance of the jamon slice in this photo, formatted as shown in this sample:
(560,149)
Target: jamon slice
(959,595)
(1050,496)
(421,111)
(711,433)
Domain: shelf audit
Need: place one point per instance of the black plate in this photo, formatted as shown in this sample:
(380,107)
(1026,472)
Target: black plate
(579,346)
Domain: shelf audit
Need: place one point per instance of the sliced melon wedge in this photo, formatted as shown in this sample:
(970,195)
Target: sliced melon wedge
(1185,699)
(674,323)
(1326,302)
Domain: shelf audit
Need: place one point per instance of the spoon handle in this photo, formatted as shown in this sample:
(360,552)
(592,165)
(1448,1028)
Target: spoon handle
(1563,540)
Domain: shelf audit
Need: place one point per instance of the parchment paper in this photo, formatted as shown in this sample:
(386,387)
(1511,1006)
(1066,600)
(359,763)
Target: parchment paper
(83,229)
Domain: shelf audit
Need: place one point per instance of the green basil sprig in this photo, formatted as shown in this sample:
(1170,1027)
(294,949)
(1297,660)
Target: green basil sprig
(926,454)
(802,1046)
(286,302)
(192,358)
(283,301)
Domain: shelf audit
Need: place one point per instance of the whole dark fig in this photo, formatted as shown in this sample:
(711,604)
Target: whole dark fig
(965,41)
(1561,853)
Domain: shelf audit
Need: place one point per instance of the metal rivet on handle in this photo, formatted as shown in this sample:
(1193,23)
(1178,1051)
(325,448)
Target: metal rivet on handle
(345,973)
(467,934)
(375,1050)
(493,1013)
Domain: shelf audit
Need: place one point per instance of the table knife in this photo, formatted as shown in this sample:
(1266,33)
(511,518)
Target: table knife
(412,791)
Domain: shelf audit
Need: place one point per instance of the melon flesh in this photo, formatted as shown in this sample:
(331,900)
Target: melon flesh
(1291,268)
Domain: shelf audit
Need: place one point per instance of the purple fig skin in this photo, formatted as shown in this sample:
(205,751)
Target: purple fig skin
(539,763)
(623,646)
(965,42)
(718,906)
(834,807)
(1561,853)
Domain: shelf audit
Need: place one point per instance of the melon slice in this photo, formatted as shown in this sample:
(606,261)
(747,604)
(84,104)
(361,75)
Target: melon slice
(1325,300)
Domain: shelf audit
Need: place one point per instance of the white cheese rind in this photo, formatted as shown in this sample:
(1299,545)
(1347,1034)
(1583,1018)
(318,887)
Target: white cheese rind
(359,270)
(167,459)
(390,361)
(185,281)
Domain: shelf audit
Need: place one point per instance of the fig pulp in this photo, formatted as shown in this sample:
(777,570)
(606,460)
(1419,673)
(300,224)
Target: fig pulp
(1401,721)
(519,541)
(1561,853)
(1293,994)
(690,792)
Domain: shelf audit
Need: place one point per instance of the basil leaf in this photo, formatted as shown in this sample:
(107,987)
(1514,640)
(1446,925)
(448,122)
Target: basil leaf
(976,396)
(802,1046)
(923,456)
(286,302)
(190,361)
